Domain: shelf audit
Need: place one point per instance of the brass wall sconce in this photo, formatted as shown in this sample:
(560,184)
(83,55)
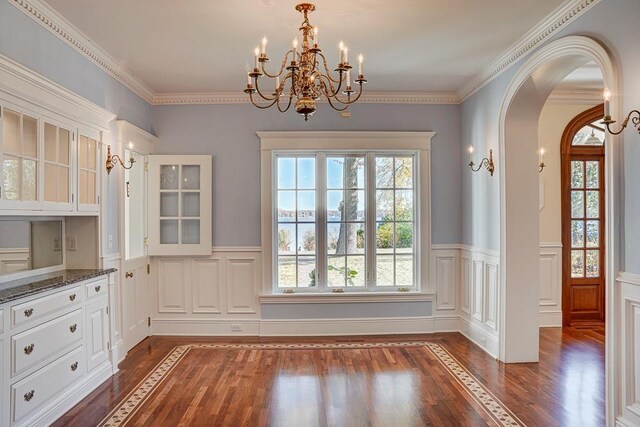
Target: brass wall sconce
(112,160)
(486,162)
(541,165)
(607,121)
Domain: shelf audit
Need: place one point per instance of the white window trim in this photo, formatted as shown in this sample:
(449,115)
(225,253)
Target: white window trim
(339,141)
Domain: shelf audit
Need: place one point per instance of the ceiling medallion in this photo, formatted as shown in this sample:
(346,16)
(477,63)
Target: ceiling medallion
(305,75)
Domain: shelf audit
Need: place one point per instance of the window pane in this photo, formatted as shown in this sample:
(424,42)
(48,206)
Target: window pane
(29,137)
(356,238)
(306,172)
(404,270)
(354,172)
(384,270)
(593,174)
(355,271)
(286,173)
(577,263)
(337,269)
(577,204)
(577,234)
(335,245)
(384,172)
(306,272)
(335,205)
(404,237)
(11,178)
(91,188)
(168,203)
(306,238)
(11,132)
(593,263)
(354,205)
(287,272)
(577,174)
(286,206)
(404,205)
(91,155)
(593,204)
(593,234)
(168,176)
(306,206)
(286,239)
(384,237)
(191,177)
(335,172)
(29,179)
(384,205)
(404,172)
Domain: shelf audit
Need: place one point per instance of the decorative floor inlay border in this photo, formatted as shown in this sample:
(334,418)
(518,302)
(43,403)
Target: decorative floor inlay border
(128,406)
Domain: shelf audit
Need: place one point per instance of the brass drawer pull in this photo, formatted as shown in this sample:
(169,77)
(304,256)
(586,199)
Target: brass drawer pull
(29,349)
(73,327)
(72,297)
(29,396)
(28,312)
(128,274)
(74,366)
(97,288)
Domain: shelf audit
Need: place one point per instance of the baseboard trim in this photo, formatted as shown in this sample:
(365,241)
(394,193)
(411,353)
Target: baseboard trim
(206,327)
(550,319)
(360,326)
(476,333)
(67,401)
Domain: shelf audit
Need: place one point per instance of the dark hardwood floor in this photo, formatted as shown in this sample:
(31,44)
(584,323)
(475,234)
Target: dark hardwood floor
(281,387)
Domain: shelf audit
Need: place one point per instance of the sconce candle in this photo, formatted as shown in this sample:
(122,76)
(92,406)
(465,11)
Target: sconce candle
(112,159)
(541,165)
(486,162)
(608,121)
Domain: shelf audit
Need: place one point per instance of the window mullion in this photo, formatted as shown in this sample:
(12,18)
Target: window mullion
(321,224)
(370,223)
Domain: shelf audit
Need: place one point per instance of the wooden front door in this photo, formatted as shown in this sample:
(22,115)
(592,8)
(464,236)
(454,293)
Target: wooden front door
(583,219)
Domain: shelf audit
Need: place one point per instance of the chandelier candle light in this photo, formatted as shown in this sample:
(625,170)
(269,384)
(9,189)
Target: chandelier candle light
(305,75)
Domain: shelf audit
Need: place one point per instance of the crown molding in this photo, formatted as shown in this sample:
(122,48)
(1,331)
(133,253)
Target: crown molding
(578,97)
(210,98)
(55,23)
(556,20)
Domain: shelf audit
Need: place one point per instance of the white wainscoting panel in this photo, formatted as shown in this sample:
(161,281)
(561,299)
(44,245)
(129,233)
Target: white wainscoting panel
(242,291)
(207,282)
(444,272)
(490,315)
(550,284)
(465,284)
(172,285)
(629,339)
(477,283)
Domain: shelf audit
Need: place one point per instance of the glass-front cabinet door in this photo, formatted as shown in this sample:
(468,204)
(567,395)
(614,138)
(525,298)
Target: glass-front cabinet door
(179,205)
(58,175)
(88,177)
(19,152)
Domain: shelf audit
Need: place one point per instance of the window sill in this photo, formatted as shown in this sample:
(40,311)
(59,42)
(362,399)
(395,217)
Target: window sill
(347,297)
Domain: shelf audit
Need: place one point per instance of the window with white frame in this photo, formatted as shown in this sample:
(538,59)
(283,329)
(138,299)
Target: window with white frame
(345,220)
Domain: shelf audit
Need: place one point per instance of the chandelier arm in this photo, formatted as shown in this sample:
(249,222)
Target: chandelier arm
(287,107)
(260,93)
(262,107)
(349,100)
(326,68)
(337,108)
(332,92)
(284,64)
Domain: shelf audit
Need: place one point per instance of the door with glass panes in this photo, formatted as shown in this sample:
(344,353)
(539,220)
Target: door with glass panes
(583,218)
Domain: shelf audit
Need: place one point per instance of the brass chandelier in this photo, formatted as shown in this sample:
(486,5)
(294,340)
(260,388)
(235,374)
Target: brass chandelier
(305,75)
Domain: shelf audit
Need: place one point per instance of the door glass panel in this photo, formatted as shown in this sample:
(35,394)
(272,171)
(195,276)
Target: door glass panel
(577,234)
(91,153)
(64,140)
(63,184)
(577,204)
(29,179)
(83,178)
(191,177)
(91,188)
(50,183)
(83,152)
(593,234)
(577,174)
(593,205)
(169,204)
(169,177)
(577,263)
(191,204)
(50,137)
(11,132)
(593,263)
(593,174)
(11,178)
(190,232)
(29,137)
(169,231)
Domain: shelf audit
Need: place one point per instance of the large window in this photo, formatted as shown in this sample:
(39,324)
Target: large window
(345,221)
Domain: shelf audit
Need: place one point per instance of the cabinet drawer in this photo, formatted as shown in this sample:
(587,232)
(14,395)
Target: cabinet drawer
(40,343)
(96,288)
(36,309)
(38,388)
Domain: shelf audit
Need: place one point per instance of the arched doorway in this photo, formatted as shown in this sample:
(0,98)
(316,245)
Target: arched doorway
(583,219)
(519,214)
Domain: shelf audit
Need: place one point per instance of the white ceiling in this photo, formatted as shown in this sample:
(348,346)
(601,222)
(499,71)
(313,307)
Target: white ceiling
(586,78)
(204,45)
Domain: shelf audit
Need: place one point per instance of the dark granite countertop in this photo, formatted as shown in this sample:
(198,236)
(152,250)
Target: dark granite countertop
(28,286)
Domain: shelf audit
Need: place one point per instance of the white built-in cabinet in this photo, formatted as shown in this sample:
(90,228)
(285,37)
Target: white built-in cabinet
(47,164)
(179,205)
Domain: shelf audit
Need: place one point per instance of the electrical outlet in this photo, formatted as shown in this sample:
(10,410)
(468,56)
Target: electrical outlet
(236,328)
(110,241)
(72,243)
(483,341)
